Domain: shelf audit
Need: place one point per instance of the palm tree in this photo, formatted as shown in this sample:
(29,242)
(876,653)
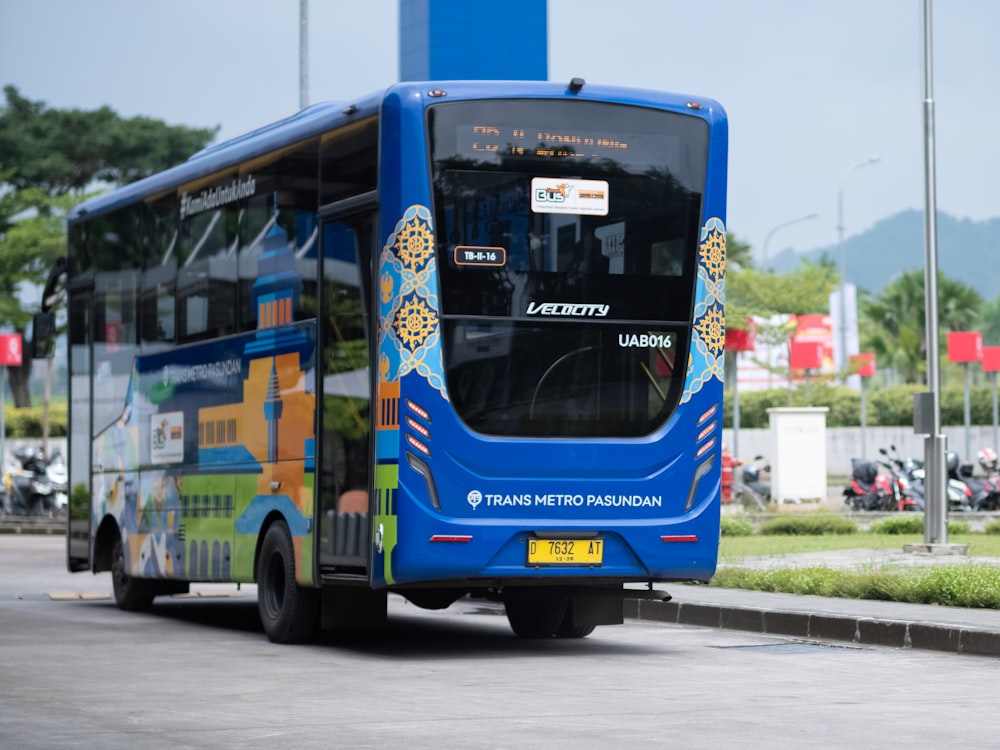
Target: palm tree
(893,322)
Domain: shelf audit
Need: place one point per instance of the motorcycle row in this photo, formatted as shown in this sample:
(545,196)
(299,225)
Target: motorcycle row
(895,483)
(35,485)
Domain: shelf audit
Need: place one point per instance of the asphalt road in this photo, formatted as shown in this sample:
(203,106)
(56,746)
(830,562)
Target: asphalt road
(75,672)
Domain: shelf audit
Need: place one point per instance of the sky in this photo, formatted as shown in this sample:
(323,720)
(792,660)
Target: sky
(812,88)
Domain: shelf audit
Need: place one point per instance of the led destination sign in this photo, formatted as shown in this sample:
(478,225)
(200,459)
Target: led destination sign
(492,139)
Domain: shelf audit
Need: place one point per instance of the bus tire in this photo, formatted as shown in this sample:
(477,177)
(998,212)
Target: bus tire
(131,594)
(567,629)
(289,612)
(536,617)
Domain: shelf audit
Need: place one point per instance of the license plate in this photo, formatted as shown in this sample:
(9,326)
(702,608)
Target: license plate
(565,551)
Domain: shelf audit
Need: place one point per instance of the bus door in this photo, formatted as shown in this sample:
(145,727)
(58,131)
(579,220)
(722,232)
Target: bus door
(344,481)
(79,487)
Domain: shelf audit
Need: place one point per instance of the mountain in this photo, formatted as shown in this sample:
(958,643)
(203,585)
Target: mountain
(968,251)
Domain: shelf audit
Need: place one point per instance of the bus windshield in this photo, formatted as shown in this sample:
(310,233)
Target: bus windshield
(567,239)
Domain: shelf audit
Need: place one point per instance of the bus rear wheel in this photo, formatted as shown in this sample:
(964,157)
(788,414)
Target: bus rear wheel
(289,612)
(567,629)
(536,617)
(131,594)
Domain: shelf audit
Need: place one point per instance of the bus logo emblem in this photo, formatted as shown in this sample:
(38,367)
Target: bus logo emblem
(474,497)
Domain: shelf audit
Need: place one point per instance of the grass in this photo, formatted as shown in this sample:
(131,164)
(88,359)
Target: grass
(964,584)
(757,545)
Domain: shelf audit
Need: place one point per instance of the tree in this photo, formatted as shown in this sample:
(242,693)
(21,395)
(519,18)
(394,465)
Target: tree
(64,151)
(894,324)
(48,158)
(990,322)
(739,254)
(768,296)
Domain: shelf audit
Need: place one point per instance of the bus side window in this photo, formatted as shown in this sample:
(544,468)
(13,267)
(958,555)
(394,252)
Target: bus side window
(206,274)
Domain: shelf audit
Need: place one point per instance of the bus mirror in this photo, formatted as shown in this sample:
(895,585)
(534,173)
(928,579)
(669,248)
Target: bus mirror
(43,335)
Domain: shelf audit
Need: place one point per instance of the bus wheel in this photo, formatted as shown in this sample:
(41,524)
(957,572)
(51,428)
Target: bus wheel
(536,617)
(131,594)
(289,612)
(567,629)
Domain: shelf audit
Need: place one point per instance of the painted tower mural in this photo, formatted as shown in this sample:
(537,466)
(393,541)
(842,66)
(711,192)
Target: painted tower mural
(223,433)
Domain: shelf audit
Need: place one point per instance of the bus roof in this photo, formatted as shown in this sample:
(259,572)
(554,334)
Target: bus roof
(322,117)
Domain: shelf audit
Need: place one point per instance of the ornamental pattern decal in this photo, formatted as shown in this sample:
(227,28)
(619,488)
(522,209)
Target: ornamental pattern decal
(410,329)
(708,330)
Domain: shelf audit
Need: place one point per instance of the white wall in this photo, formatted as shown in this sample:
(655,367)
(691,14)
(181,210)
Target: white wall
(844,443)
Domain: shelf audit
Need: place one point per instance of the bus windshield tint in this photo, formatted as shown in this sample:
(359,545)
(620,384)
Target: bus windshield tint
(570,225)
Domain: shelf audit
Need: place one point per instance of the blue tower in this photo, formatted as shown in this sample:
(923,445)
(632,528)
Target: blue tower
(458,39)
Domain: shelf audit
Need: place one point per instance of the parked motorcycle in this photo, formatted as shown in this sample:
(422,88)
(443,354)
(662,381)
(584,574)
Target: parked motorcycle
(752,487)
(29,490)
(912,472)
(986,491)
(878,486)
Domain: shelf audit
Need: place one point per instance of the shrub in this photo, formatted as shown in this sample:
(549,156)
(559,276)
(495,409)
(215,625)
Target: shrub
(812,525)
(907,523)
(28,422)
(959,527)
(993,527)
(736,526)
(913,523)
(885,406)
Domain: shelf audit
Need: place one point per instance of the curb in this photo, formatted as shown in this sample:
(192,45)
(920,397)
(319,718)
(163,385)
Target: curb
(861,630)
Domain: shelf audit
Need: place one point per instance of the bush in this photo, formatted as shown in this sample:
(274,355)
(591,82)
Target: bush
(812,525)
(993,527)
(736,526)
(29,421)
(885,406)
(907,523)
(913,523)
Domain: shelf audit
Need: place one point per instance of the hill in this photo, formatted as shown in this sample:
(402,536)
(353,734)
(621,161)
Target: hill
(968,251)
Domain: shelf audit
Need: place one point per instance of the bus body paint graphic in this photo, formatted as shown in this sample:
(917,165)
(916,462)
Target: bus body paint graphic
(409,344)
(708,331)
(231,463)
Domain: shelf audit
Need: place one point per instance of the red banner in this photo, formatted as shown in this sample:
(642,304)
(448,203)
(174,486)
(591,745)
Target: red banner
(965,346)
(10,349)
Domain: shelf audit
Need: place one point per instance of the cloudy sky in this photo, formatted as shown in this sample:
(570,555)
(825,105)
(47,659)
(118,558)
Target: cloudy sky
(812,87)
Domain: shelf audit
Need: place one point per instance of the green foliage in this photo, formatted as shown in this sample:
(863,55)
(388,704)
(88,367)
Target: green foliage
(993,527)
(906,523)
(964,585)
(810,524)
(885,407)
(912,523)
(63,151)
(28,422)
(736,526)
(893,321)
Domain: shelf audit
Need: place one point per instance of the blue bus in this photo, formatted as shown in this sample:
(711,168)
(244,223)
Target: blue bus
(454,339)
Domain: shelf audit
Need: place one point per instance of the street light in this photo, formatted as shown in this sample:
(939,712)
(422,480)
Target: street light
(843,257)
(767,238)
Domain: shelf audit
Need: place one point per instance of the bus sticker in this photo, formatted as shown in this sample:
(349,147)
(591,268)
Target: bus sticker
(166,444)
(471,255)
(563,196)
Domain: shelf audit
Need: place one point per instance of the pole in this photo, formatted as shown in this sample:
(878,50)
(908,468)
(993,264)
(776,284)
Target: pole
(968,418)
(843,260)
(935,444)
(303,54)
(996,417)
(864,419)
(3,421)
(767,237)
(736,411)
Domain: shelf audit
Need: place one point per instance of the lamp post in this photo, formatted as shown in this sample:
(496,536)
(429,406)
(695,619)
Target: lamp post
(843,257)
(767,237)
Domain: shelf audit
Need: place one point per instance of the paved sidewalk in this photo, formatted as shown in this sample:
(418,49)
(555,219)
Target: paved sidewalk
(896,624)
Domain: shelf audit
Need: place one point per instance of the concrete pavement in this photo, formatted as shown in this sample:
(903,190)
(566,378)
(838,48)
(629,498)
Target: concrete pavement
(897,624)
(900,625)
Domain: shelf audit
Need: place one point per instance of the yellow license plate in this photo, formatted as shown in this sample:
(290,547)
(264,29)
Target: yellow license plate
(565,551)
